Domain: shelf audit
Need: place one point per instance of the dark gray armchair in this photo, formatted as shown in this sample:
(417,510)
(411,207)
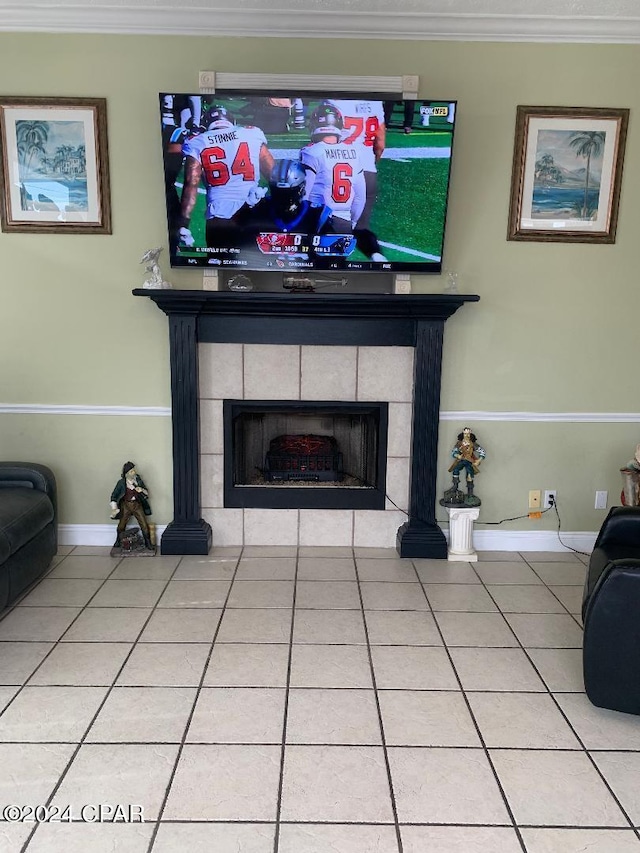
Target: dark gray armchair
(28,526)
(611,614)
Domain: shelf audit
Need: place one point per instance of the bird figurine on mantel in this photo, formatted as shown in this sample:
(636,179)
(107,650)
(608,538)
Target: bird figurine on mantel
(155,280)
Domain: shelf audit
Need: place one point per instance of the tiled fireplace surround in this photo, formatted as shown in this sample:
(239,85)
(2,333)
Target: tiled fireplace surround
(303,347)
(305,373)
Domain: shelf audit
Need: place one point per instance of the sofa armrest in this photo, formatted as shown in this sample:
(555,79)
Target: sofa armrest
(32,475)
(39,476)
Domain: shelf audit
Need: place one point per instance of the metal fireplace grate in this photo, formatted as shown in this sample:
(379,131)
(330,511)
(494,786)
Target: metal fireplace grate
(303,457)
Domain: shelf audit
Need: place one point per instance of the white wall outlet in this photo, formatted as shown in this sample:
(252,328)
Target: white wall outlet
(549,498)
(601,500)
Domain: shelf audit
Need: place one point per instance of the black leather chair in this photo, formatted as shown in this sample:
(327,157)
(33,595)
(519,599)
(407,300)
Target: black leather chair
(28,526)
(611,614)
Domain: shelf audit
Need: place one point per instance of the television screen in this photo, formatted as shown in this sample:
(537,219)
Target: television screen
(306,182)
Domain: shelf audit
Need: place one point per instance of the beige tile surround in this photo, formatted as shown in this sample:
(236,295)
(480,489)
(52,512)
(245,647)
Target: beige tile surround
(283,372)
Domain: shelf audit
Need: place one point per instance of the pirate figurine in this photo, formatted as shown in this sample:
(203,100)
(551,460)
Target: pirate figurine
(130,498)
(467,456)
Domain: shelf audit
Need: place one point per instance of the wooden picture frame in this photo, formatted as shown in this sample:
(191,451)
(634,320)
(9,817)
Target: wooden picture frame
(54,175)
(567,174)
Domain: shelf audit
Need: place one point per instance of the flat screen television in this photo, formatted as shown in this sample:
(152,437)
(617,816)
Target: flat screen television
(304,182)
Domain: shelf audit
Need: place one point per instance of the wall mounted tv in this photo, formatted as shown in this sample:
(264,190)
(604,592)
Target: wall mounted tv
(304,182)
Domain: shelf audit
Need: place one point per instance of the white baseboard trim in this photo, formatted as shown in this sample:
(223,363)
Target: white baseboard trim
(93,534)
(483,540)
(538,540)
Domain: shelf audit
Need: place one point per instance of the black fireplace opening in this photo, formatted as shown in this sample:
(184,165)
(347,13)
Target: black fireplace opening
(305,455)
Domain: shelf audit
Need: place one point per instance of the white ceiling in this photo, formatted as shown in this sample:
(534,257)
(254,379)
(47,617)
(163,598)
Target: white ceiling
(605,21)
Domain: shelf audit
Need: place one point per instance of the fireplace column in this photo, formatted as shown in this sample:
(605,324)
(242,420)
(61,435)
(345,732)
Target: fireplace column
(420,536)
(187,533)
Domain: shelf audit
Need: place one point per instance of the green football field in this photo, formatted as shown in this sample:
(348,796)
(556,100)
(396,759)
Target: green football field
(412,192)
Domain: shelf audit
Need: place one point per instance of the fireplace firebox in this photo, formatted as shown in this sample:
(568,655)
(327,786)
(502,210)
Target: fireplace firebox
(305,455)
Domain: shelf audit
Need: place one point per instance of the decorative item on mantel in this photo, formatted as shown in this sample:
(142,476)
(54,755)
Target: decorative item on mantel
(631,481)
(129,499)
(450,282)
(463,509)
(155,280)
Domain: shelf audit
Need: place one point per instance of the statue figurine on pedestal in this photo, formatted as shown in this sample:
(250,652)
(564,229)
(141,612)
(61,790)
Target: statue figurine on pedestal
(467,455)
(129,499)
(631,481)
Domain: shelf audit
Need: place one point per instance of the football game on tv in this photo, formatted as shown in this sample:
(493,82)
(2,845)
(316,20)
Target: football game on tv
(306,182)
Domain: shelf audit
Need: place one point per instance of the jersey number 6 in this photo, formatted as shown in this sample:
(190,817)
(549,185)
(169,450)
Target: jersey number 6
(341,184)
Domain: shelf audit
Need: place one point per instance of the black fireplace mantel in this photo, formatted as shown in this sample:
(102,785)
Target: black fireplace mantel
(197,316)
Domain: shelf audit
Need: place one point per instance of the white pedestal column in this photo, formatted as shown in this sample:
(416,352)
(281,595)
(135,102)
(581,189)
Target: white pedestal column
(461,533)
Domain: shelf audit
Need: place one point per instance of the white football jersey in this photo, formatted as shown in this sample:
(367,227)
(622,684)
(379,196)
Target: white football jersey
(230,158)
(362,120)
(335,177)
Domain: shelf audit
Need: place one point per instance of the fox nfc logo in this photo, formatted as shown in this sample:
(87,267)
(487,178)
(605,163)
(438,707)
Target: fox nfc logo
(443,112)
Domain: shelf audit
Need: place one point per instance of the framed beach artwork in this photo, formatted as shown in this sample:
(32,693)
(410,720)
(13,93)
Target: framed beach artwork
(567,172)
(55,171)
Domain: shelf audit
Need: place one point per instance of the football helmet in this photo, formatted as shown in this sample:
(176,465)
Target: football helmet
(287,186)
(216,117)
(325,120)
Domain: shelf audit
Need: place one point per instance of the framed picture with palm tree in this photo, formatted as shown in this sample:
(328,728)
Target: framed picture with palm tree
(55,169)
(567,173)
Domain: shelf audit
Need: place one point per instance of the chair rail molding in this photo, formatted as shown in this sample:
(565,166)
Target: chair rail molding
(456,416)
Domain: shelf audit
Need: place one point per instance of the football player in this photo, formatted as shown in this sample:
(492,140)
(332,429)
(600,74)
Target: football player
(229,160)
(181,114)
(286,211)
(364,122)
(335,176)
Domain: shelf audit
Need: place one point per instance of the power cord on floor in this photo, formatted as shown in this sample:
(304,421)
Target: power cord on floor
(554,505)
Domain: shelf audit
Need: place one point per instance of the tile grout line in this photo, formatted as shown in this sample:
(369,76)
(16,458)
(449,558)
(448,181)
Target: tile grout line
(285,719)
(154,609)
(104,699)
(383,739)
(532,567)
(56,643)
(485,749)
(185,732)
(560,709)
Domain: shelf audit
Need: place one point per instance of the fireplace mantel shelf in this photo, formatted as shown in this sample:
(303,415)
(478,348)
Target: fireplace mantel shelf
(320,319)
(423,306)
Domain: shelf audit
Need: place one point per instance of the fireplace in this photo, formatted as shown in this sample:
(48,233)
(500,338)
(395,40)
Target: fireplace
(365,322)
(302,454)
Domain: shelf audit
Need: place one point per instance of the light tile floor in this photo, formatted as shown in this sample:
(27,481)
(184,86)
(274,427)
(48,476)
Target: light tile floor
(310,700)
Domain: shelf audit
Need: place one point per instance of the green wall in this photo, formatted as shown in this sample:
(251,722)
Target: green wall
(555,330)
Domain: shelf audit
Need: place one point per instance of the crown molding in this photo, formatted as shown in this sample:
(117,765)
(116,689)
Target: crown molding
(190,20)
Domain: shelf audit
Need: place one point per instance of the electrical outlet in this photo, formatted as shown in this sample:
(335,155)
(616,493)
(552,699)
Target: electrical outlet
(601,500)
(534,499)
(549,498)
